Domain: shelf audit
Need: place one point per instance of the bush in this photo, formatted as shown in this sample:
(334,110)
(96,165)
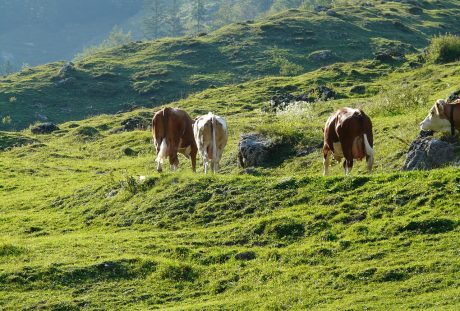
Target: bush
(444,49)
(288,68)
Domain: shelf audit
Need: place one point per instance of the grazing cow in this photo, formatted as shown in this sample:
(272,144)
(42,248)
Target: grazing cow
(173,133)
(348,134)
(211,135)
(443,117)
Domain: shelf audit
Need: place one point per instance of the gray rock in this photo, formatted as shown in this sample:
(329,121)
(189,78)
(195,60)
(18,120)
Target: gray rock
(427,154)
(358,89)
(66,70)
(44,128)
(253,150)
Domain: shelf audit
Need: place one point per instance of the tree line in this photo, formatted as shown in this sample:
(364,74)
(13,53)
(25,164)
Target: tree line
(171,18)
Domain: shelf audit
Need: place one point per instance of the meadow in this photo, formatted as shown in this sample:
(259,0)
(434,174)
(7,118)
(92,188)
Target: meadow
(80,231)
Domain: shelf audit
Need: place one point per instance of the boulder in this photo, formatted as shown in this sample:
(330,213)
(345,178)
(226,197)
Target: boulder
(44,128)
(427,153)
(358,89)
(66,70)
(131,124)
(253,150)
(325,93)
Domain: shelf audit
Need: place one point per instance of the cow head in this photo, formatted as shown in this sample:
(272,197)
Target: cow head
(436,120)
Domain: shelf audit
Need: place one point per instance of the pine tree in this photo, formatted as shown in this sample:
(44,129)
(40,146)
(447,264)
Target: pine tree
(173,19)
(154,22)
(198,15)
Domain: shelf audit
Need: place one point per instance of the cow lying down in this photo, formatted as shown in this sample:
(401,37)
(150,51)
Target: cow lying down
(443,117)
(348,134)
(211,135)
(173,134)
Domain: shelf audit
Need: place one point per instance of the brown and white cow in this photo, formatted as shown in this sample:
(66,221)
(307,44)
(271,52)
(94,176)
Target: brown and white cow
(211,135)
(443,117)
(173,133)
(348,134)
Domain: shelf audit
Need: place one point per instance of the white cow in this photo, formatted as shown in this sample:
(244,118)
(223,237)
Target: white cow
(211,135)
(443,117)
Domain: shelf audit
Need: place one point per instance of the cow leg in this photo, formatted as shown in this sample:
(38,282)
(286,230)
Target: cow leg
(326,160)
(159,168)
(204,156)
(348,164)
(174,160)
(193,154)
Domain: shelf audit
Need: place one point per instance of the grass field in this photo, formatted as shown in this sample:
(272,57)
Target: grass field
(80,231)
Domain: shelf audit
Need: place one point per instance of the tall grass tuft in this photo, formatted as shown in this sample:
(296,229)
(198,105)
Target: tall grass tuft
(444,49)
(397,100)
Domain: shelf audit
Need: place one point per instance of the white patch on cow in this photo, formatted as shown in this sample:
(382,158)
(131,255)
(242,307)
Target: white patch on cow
(338,152)
(163,154)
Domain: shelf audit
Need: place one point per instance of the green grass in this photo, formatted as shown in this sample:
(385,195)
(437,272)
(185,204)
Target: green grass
(80,231)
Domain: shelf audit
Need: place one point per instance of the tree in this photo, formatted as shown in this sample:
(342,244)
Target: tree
(154,21)
(6,68)
(173,19)
(198,15)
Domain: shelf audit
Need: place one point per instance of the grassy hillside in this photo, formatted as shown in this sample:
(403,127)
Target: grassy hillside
(80,231)
(153,73)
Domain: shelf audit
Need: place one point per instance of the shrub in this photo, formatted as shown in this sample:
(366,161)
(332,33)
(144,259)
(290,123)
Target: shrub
(288,68)
(444,49)
(6,120)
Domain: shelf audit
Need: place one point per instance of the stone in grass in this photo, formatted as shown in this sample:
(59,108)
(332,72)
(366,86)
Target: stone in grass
(253,150)
(427,153)
(44,128)
(249,255)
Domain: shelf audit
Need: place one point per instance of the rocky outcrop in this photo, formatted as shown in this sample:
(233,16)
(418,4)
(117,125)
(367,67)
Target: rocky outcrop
(66,70)
(427,153)
(44,128)
(281,100)
(253,150)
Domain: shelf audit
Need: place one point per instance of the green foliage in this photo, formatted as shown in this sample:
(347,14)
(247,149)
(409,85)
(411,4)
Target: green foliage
(288,68)
(7,120)
(398,100)
(444,49)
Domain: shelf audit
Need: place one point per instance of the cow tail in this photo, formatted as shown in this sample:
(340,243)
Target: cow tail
(214,143)
(163,153)
(367,146)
